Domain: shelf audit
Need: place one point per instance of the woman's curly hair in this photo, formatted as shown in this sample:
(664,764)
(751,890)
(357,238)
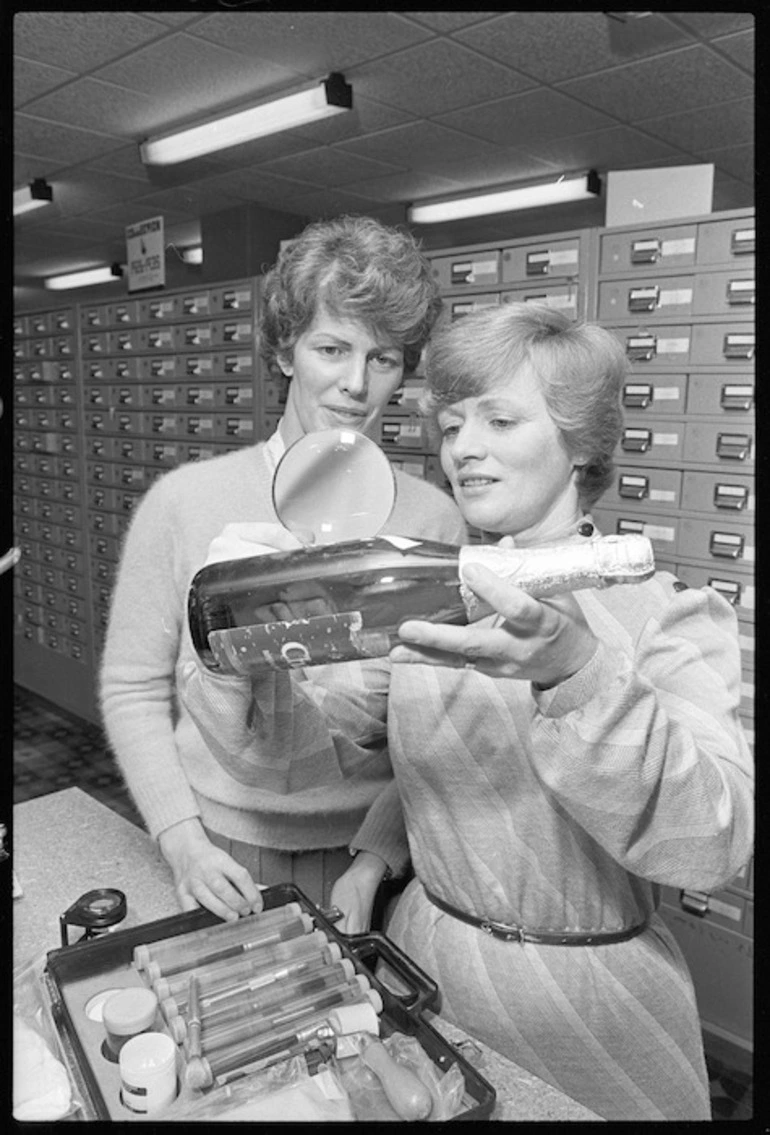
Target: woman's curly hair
(359,269)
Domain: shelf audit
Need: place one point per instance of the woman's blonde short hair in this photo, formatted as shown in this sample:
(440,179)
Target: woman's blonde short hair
(581,368)
(360,270)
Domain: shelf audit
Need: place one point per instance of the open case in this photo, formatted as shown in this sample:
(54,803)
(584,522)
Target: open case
(76,973)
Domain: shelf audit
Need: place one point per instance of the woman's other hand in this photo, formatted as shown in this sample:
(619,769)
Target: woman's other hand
(204,875)
(541,641)
(354,892)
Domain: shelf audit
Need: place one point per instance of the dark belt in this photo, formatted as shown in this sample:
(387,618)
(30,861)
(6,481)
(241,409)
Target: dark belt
(518,934)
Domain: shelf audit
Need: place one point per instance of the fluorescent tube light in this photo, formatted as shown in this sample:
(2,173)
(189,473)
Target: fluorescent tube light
(33,196)
(331,96)
(507,200)
(192,255)
(105,275)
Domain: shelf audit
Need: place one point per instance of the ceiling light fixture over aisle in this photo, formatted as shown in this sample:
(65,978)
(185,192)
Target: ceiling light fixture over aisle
(506,200)
(36,195)
(329,97)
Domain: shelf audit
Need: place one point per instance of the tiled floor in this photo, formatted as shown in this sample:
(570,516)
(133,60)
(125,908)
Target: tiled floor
(54,750)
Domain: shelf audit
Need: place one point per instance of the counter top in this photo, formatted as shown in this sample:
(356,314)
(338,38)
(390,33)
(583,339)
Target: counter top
(67,843)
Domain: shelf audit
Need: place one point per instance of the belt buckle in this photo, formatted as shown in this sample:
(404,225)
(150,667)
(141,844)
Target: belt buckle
(500,930)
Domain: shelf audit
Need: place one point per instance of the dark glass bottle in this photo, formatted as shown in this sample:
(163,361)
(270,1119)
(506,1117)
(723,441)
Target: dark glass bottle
(345,601)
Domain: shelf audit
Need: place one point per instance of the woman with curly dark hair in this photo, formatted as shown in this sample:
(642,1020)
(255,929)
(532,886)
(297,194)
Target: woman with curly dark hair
(346,311)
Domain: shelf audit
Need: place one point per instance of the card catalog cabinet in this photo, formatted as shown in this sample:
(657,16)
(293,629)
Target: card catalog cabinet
(680,297)
(108,396)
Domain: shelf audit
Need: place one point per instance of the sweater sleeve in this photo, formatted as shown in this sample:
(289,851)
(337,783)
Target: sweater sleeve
(137,669)
(645,748)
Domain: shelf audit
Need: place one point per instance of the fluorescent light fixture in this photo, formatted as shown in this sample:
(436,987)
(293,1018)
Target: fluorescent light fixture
(192,255)
(331,96)
(105,275)
(33,196)
(507,200)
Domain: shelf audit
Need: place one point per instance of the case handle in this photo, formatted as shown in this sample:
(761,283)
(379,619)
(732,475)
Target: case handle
(422,990)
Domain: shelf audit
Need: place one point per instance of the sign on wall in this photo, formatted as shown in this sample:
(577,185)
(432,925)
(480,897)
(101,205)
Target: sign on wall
(145,255)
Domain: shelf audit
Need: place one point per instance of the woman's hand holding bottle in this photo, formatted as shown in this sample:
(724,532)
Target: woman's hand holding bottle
(542,641)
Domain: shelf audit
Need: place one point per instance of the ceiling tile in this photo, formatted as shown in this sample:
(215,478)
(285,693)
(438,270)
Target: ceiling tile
(330,166)
(737,161)
(330,203)
(175,19)
(248,184)
(58,141)
(679,80)
(419,145)
(448,21)
(714,23)
(193,77)
(26,168)
(407,186)
(133,211)
(727,123)
(740,48)
(94,105)
(550,45)
(436,77)
(190,201)
(618,148)
(30,80)
(534,115)
(80,192)
(496,169)
(91,38)
(730,193)
(124,161)
(311,43)
(83,227)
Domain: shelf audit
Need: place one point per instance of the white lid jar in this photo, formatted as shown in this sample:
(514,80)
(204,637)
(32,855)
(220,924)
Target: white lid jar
(148,1072)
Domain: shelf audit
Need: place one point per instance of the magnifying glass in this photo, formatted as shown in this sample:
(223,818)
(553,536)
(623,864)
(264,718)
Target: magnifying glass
(337,484)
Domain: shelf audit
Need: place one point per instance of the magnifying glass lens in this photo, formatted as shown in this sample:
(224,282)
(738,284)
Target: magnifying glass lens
(337,484)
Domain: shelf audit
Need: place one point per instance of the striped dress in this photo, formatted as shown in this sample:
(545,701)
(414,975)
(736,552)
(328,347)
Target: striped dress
(562,810)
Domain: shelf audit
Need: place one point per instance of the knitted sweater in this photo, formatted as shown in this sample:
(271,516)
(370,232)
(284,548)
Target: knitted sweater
(316,802)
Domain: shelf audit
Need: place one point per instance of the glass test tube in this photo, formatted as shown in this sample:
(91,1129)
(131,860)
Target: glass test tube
(199,954)
(225,975)
(281,1035)
(233,931)
(280,995)
(219,980)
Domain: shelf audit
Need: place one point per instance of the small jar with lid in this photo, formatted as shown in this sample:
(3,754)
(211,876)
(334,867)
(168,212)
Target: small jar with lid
(148,1073)
(126,1014)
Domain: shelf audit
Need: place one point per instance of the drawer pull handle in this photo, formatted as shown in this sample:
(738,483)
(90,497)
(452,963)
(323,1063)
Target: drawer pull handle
(736,397)
(537,263)
(733,447)
(695,902)
(641,348)
(738,346)
(742,241)
(636,440)
(726,545)
(634,488)
(734,497)
(741,293)
(645,251)
(644,299)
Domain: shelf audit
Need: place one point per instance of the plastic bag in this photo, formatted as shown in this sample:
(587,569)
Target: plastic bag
(283,1092)
(368,1097)
(43,1086)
